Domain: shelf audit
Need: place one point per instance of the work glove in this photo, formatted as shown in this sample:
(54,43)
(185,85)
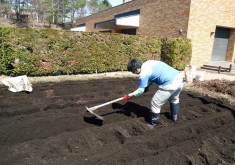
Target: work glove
(125,98)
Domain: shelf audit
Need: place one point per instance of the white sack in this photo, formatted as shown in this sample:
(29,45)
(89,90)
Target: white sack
(189,73)
(18,84)
(199,75)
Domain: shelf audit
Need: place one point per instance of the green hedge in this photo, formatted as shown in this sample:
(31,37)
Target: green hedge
(176,52)
(44,52)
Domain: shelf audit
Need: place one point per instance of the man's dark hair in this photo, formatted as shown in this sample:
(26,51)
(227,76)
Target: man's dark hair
(133,65)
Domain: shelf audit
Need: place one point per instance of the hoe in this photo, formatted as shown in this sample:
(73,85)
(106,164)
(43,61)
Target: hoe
(92,109)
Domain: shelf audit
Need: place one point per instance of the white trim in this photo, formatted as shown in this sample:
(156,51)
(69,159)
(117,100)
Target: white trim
(82,28)
(132,20)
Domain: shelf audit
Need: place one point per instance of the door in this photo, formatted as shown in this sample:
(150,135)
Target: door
(220,44)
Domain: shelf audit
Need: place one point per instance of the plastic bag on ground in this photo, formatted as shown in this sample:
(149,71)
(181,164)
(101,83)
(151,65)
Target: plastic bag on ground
(18,84)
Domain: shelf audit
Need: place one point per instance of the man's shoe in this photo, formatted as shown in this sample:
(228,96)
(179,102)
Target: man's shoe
(151,126)
(174,111)
(154,117)
(174,117)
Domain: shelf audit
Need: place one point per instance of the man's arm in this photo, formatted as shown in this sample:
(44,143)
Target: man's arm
(137,92)
(143,83)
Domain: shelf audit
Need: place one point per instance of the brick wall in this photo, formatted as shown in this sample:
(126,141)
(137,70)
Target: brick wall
(165,18)
(157,17)
(194,19)
(205,15)
(231,47)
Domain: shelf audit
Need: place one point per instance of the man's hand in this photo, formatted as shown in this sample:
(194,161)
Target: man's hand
(125,98)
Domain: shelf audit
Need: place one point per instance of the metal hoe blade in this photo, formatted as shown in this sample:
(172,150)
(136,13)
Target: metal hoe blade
(101,105)
(91,111)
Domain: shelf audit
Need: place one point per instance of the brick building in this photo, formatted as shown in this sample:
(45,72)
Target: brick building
(210,24)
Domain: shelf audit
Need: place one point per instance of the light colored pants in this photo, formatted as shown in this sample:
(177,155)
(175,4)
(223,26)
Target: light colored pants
(169,92)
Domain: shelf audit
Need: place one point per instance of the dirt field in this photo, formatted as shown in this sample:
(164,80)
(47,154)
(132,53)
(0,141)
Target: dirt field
(51,126)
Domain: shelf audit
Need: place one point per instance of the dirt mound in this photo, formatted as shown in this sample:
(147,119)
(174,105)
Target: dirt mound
(51,126)
(221,86)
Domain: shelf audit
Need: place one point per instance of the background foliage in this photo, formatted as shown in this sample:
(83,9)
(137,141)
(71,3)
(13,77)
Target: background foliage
(58,12)
(36,52)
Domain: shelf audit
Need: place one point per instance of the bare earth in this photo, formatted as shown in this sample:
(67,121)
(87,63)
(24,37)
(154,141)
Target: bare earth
(51,125)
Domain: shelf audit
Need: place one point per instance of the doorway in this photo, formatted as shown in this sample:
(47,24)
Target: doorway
(220,46)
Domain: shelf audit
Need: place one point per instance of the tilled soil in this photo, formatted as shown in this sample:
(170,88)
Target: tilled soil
(219,86)
(51,126)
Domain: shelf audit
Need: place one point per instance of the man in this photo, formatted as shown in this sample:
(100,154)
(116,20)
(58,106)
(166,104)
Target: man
(169,81)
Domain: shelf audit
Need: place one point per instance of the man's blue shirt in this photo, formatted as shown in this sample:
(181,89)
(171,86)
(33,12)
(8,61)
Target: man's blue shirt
(158,72)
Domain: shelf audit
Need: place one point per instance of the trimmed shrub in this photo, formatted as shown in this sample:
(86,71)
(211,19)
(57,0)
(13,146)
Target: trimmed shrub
(45,51)
(176,52)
